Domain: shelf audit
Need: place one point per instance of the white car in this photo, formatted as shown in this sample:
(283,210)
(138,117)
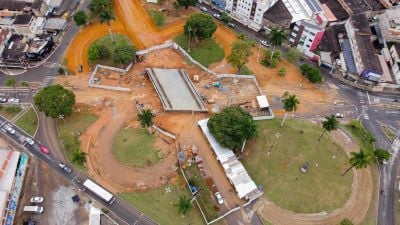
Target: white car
(29,141)
(339,115)
(204,9)
(13,100)
(37,199)
(220,200)
(338,62)
(217,16)
(9,129)
(265,43)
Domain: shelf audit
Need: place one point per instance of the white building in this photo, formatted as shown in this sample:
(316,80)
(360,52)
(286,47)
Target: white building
(395,62)
(28,25)
(306,36)
(249,12)
(303,9)
(389,22)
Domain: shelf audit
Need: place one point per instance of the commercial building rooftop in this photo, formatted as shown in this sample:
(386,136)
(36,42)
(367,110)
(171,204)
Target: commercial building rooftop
(278,13)
(22,19)
(336,8)
(357,6)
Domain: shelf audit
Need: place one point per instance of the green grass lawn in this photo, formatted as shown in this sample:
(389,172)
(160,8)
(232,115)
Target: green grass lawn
(206,52)
(160,205)
(70,128)
(364,138)
(28,122)
(158,18)
(135,147)
(10,112)
(107,41)
(322,188)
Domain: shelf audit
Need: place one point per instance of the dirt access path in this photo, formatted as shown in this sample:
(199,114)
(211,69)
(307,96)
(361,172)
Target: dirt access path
(116,111)
(355,208)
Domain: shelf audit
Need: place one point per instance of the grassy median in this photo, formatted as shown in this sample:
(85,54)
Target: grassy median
(28,122)
(322,188)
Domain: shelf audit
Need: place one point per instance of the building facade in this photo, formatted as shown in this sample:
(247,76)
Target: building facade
(249,12)
(389,23)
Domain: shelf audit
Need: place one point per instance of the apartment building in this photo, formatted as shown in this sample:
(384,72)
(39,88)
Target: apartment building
(389,24)
(249,12)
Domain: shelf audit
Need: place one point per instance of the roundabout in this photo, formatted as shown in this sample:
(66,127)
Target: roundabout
(316,195)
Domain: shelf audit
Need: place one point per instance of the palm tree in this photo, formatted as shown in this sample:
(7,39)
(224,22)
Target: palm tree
(146,118)
(382,155)
(11,82)
(290,103)
(79,157)
(184,204)
(359,160)
(329,124)
(276,37)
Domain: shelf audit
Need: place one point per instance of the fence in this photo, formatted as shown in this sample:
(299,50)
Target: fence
(91,82)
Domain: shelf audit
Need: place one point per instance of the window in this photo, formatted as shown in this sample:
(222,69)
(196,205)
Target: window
(307,46)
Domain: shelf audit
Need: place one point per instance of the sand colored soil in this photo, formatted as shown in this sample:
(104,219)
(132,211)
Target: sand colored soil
(117,110)
(355,208)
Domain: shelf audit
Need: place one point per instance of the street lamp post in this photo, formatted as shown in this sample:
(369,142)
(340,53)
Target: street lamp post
(277,135)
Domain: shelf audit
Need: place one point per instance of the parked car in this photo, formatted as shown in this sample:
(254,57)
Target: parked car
(338,62)
(33,209)
(231,25)
(217,16)
(37,199)
(44,150)
(13,100)
(339,115)
(29,141)
(3,100)
(9,129)
(219,198)
(265,43)
(66,168)
(204,9)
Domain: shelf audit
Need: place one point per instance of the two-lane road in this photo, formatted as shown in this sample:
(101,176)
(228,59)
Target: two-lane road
(120,208)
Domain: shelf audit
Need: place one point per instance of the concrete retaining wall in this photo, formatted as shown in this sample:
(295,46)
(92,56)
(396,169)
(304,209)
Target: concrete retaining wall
(107,87)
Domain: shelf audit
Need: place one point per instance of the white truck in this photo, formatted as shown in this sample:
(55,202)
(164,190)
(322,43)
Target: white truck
(33,209)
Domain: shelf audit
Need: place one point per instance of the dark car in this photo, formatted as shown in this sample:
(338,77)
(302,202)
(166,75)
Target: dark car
(66,168)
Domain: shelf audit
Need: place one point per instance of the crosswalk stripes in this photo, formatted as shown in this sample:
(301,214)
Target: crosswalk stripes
(47,80)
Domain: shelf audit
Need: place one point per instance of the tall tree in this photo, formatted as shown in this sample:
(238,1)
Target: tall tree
(106,16)
(146,118)
(187,3)
(80,18)
(277,37)
(98,51)
(290,103)
(184,205)
(55,101)
(11,82)
(79,157)
(382,155)
(359,160)
(232,127)
(124,53)
(329,124)
(200,26)
(240,53)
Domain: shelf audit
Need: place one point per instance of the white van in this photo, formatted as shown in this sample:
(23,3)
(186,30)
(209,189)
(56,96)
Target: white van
(33,209)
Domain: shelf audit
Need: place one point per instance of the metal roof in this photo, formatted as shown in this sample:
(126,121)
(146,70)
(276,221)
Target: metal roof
(348,56)
(234,169)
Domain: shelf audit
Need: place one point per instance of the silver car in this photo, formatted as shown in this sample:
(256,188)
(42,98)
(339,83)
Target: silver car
(9,129)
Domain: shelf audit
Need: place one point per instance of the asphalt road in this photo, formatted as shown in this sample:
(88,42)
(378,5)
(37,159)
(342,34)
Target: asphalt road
(123,210)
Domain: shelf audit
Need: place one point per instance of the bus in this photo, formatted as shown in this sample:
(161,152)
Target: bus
(99,191)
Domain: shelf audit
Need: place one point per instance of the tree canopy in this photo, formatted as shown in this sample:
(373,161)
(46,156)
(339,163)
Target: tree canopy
(55,101)
(359,160)
(382,155)
(184,205)
(232,127)
(124,53)
(241,50)
(98,51)
(292,55)
(11,82)
(271,58)
(103,8)
(146,118)
(290,102)
(313,74)
(80,18)
(277,37)
(346,221)
(329,124)
(200,26)
(186,3)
